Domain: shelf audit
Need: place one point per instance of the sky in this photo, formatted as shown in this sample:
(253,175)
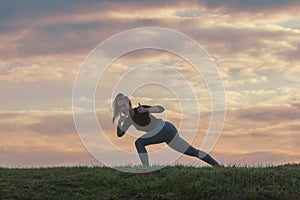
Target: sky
(255,45)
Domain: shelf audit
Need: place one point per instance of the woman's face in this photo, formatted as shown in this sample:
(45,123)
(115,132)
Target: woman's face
(123,106)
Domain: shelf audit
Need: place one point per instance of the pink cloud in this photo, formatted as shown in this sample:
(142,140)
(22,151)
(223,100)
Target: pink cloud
(245,35)
(41,138)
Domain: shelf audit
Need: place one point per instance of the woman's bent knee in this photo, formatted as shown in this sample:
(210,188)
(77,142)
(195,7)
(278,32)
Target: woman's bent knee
(139,142)
(140,146)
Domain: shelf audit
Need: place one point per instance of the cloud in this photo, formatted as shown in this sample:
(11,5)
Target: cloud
(54,125)
(234,41)
(43,135)
(14,159)
(34,138)
(292,53)
(35,9)
(55,13)
(41,82)
(35,95)
(276,119)
(76,30)
(250,68)
(296,105)
(43,45)
(35,73)
(271,115)
(253,6)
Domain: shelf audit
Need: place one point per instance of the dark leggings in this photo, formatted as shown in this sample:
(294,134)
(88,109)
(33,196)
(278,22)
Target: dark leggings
(168,134)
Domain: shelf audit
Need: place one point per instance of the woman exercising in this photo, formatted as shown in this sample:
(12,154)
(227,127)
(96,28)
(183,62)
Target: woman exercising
(157,130)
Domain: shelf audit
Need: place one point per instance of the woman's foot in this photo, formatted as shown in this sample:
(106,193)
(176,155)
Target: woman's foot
(208,159)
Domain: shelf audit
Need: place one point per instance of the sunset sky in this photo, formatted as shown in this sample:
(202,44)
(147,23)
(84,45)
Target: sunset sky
(255,44)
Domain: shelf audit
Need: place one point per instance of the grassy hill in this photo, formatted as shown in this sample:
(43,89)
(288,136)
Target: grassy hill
(177,182)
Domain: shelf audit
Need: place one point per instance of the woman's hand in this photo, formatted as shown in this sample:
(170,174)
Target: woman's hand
(141,109)
(122,119)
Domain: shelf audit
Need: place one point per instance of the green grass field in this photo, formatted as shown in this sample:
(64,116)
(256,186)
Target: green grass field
(177,182)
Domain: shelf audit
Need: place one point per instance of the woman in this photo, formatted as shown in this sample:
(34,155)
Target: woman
(158,131)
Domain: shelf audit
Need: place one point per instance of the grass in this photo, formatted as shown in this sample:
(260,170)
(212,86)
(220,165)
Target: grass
(177,182)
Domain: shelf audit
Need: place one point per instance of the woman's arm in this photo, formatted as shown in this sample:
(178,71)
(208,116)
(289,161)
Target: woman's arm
(120,133)
(151,109)
(122,128)
(156,109)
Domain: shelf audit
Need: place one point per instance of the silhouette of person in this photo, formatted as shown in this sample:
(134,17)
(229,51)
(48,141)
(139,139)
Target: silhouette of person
(157,130)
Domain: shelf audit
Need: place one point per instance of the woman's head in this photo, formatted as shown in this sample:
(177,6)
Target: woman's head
(121,104)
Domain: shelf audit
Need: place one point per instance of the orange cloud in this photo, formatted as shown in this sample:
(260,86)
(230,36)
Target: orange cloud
(252,43)
(246,134)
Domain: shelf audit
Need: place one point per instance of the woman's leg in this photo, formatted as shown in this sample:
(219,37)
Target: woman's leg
(141,144)
(180,145)
(169,134)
